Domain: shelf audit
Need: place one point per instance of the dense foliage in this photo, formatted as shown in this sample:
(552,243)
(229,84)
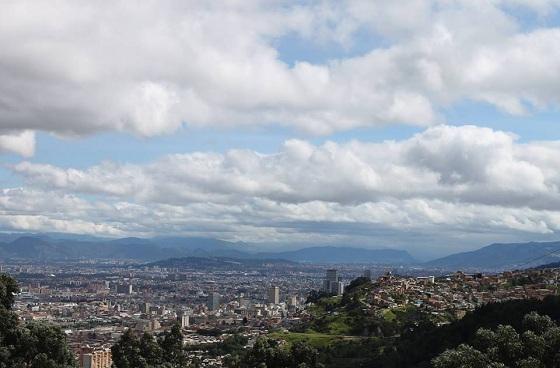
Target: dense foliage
(267,353)
(417,346)
(32,345)
(164,351)
(537,345)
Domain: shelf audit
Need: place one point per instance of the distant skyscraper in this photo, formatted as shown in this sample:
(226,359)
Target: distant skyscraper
(274,295)
(124,289)
(183,320)
(333,283)
(367,274)
(292,300)
(213,302)
(145,308)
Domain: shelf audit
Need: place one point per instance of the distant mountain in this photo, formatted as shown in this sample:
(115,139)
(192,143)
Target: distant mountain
(549,265)
(193,243)
(218,262)
(343,255)
(45,247)
(502,256)
(30,247)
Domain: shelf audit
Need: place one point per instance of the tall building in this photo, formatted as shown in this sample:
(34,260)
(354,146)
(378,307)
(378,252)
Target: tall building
(124,289)
(145,308)
(292,301)
(213,302)
(183,320)
(274,295)
(367,274)
(333,283)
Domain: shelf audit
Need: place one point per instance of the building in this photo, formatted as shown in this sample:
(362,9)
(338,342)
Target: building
(333,283)
(183,320)
(274,295)
(292,301)
(145,308)
(154,324)
(96,359)
(213,302)
(124,289)
(367,274)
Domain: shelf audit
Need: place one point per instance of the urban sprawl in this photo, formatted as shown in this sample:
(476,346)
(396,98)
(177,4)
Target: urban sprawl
(95,303)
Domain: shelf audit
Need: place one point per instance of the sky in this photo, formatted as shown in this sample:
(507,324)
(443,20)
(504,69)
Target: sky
(425,125)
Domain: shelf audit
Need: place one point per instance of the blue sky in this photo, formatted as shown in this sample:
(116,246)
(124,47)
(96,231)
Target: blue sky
(425,125)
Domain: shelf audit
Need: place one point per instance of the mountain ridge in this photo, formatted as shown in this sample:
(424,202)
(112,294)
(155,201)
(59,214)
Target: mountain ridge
(501,256)
(44,248)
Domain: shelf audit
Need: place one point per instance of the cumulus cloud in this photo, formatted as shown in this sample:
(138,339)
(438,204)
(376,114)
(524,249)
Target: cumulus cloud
(468,164)
(452,180)
(79,67)
(21,142)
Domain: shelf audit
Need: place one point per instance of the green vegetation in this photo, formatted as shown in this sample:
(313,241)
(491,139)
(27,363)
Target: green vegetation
(164,351)
(423,341)
(230,345)
(536,345)
(315,339)
(351,314)
(347,332)
(268,353)
(32,345)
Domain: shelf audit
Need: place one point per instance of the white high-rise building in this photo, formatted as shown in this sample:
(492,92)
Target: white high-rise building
(184,320)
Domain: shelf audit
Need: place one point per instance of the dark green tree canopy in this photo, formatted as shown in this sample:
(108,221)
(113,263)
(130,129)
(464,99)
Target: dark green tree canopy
(8,289)
(32,345)
(537,346)
(165,351)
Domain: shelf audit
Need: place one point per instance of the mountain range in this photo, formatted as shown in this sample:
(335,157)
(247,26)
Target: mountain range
(60,247)
(42,247)
(501,256)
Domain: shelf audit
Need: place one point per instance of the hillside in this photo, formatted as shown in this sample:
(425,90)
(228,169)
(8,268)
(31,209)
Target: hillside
(501,256)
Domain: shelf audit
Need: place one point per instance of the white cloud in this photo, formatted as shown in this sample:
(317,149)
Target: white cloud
(81,67)
(445,180)
(21,142)
(468,164)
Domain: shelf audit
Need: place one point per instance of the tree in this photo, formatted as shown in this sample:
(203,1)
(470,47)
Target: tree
(33,345)
(357,282)
(151,351)
(270,354)
(8,289)
(464,356)
(126,352)
(171,343)
(537,347)
(304,353)
(537,323)
(166,351)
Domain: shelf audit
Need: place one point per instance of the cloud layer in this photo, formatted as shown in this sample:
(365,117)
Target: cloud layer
(450,181)
(77,67)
